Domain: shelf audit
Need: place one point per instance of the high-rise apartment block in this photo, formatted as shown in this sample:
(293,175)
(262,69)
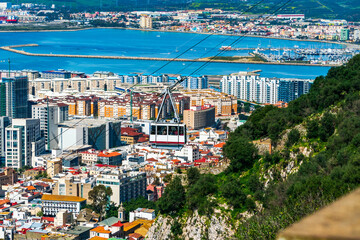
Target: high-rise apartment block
(50,116)
(145,21)
(14,97)
(196,82)
(23,137)
(291,89)
(199,117)
(344,34)
(253,88)
(4,122)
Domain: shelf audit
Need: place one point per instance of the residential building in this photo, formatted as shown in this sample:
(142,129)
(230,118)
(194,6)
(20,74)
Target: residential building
(14,97)
(125,186)
(145,21)
(196,82)
(55,74)
(142,213)
(52,204)
(63,217)
(23,137)
(110,158)
(5,5)
(4,122)
(251,87)
(53,167)
(89,157)
(49,120)
(225,104)
(357,35)
(8,177)
(189,153)
(291,89)
(132,136)
(74,185)
(199,117)
(344,35)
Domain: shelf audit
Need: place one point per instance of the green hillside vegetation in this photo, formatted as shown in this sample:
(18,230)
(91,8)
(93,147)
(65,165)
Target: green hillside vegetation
(315,161)
(348,9)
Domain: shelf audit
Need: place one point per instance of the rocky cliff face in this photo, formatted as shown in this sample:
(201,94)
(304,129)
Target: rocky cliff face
(193,227)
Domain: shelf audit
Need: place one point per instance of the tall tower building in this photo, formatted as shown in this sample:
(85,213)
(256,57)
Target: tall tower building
(49,120)
(22,137)
(4,122)
(14,97)
(145,21)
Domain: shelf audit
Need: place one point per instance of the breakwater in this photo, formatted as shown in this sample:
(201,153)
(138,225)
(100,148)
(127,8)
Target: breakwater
(240,60)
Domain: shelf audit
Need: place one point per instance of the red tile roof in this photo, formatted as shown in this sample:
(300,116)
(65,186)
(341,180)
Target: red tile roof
(112,154)
(118,224)
(219,145)
(48,219)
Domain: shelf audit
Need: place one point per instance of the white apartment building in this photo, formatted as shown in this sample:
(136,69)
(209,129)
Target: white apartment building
(48,115)
(23,137)
(357,35)
(52,204)
(142,213)
(189,153)
(251,87)
(145,21)
(125,186)
(4,122)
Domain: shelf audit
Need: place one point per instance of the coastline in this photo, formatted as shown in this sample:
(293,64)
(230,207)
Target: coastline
(172,31)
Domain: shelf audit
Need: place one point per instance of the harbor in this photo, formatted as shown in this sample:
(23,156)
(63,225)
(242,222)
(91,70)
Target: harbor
(313,56)
(208,59)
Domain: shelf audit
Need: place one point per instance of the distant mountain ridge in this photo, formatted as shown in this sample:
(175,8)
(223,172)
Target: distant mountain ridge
(332,9)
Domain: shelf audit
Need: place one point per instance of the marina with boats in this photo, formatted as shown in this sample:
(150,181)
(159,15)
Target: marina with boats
(324,56)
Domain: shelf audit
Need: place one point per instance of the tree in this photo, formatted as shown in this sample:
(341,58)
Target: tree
(167,178)
(293,137)
(241,153)
(176,229)
(232,191)
(100,196)
(312,129)
(173,198)
(112,210)
(40,214)
(193,175)
(197,195)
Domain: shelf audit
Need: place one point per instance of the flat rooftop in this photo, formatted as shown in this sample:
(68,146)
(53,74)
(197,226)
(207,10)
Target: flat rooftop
(84,122)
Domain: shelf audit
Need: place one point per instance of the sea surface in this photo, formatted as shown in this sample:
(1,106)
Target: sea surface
(120,42)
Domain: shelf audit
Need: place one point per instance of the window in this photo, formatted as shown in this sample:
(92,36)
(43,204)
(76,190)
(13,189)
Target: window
(153,130)
(181,131)
(162,130)
(15,135)
(173,130)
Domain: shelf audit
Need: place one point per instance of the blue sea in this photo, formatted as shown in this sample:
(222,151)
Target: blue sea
(120,42)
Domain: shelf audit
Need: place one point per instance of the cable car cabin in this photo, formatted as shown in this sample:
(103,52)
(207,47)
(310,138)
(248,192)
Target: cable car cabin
(168,135)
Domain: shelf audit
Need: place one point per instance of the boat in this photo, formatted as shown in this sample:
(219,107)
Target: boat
(226,48)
